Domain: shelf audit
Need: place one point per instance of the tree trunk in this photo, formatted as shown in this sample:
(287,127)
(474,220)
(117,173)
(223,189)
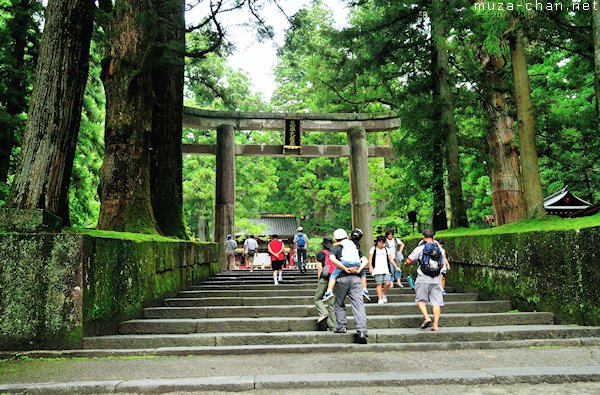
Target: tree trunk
(125,172)
(507,196)
(44,172)
(166,165)
(444,122)
(532,184)
(439,221)
(16,104)
(596,36)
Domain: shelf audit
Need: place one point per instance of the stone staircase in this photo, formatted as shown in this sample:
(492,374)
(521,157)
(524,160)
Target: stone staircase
(241,313)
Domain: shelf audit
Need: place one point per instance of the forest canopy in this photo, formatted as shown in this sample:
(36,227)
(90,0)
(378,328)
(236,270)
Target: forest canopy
(498,102)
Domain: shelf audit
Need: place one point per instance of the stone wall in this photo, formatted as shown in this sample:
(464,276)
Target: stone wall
(555,271)
(57,287)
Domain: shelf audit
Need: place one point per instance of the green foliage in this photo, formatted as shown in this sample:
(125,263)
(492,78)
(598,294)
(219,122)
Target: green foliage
(84,204)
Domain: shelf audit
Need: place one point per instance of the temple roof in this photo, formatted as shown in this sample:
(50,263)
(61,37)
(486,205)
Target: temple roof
(565,200)
(280,224)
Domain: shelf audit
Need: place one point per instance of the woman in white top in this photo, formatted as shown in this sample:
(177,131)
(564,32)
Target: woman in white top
(380,258)
(397,247)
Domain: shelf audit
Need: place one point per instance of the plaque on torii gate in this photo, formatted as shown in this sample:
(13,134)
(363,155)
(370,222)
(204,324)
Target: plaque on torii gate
(292,136)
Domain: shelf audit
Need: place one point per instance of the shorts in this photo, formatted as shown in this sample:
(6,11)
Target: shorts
(277,265)
(382,278)
(429,293)
(249,258)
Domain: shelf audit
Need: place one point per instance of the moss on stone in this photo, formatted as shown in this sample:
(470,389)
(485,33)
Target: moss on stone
(54,288)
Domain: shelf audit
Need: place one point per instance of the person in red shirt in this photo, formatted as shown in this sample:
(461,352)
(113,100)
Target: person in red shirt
(276,248)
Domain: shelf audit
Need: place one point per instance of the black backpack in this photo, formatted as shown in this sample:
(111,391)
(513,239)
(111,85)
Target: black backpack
(432,261)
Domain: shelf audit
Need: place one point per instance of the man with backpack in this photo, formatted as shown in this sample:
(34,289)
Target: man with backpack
(301,246)
(324,269)
(428,285)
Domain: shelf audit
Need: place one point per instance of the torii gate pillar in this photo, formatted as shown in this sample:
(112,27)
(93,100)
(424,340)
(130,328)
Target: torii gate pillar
(225,188)
(360,189)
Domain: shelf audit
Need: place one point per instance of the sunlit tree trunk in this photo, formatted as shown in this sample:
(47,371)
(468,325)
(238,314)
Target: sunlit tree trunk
(127,77)
(166,167)
(532,184)
(44,172)
(507,196)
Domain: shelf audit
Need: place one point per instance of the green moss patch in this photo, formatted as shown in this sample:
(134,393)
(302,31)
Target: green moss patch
(546,224)
(57,287)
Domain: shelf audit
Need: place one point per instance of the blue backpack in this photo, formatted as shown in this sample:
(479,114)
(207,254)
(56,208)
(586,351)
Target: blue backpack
(300,242)
(432,261)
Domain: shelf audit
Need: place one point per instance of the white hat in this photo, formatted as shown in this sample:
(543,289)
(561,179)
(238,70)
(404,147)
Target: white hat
(340,234)
(300,229)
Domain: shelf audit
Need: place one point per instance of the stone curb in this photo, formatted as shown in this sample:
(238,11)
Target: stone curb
(530,375)
(302,348)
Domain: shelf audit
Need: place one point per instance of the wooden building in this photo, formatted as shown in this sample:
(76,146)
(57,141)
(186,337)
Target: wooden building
(564,204)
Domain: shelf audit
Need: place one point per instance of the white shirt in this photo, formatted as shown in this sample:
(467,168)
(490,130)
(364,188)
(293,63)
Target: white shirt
(380,260)
(250,244)
(349,251)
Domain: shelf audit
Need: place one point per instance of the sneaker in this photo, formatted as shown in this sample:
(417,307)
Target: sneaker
(276,282)
(443,292)
(384,299)
(366,294)
(380,301)
(340,330)
(328,295)
(400,285)
(362,337)
(280,278)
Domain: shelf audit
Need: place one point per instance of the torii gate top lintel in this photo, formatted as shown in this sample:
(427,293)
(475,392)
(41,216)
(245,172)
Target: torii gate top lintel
(275,121)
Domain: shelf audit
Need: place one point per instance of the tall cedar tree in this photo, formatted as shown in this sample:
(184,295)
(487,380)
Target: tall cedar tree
(443,114)
(127,77)
(44,173)
(166,154)
(530,170)
(505,179)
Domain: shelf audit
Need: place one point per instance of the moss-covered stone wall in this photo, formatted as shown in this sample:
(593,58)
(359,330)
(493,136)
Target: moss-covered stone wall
(555,271)
(57,287)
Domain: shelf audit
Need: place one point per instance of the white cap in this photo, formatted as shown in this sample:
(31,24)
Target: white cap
(300,229)
(340,234)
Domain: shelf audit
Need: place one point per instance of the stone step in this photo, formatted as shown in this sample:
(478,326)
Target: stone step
(269,280)
(281,291)
(395,335)
(284,286)
(496,306)
(302,324)
(192,301)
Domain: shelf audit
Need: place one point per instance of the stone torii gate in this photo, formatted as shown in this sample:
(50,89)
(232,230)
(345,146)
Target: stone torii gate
(226,123)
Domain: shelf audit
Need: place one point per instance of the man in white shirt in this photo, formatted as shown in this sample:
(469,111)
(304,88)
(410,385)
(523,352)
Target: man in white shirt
(428,287)
(250,249)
